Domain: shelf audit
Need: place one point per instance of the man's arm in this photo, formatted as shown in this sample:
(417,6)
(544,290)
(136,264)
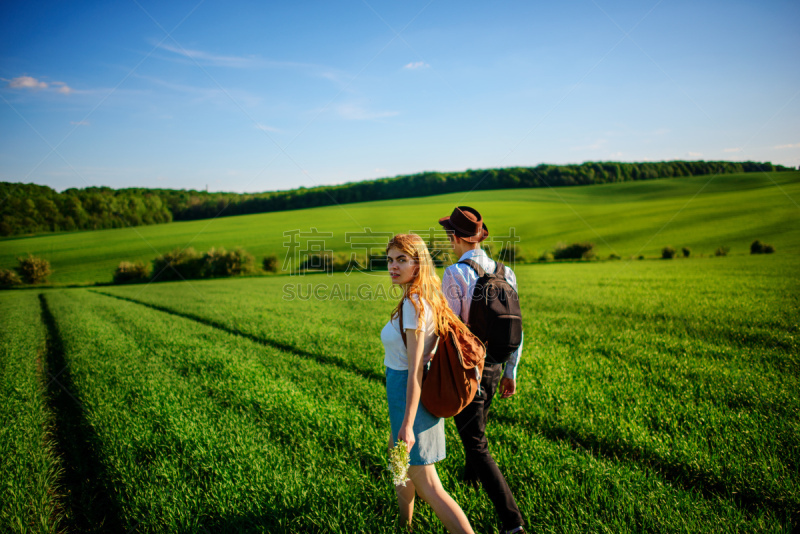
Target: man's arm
(513,361)
(508,384)
(452,291)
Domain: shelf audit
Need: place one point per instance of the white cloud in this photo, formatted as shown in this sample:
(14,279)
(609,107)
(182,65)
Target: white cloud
(615,155)
(729,150)
(203,94)
(695,154)
(594,146)
(417,65)
(597,144)
(251,62)
(29,82)
(26,82)
(63,88)
(354,112)
(213,59)
(780,147)
(265,128)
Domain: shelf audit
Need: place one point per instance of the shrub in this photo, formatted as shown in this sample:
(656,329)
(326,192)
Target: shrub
(342,262)
(614,257)
(129,273)
(357,263)
(241,262)
(9,278)
(271,263)
(757,247)
(440,257)
(546,256)
(510,254)
(722,251)
(641,257)
(214,263)
(178,265)
(575,251)
(667,253)
(316,262)
(33,270)
(220,262)
(331,262)
(686,252)
(377,262)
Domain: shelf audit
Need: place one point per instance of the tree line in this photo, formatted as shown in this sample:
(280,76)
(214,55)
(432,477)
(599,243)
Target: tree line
(30,208)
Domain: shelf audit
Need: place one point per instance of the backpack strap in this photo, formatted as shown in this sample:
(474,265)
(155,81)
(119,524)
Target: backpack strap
(435,347)
(477,268)
(402,330)
(500,270)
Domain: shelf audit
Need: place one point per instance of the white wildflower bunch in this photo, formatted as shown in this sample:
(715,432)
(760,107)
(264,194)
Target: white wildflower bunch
(399,461)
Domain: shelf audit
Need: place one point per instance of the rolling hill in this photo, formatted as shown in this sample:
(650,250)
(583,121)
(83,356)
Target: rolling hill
(627,219)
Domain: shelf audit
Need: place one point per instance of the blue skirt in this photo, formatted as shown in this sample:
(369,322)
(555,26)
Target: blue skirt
(428,429)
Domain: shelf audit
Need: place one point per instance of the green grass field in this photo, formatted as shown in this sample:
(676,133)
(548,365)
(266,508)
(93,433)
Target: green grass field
(28,465)
(627,219)
(656,396)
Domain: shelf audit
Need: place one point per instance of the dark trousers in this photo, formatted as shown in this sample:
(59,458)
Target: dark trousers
(480,466)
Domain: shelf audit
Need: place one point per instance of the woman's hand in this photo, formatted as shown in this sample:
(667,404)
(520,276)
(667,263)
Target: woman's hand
(407,434)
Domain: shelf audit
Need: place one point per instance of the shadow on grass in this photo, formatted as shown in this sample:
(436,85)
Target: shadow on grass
(321,358)
(279,519)
(89,503)
(679,474)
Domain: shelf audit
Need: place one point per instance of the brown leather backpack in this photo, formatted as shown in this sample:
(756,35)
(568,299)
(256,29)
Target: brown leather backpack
(455,371)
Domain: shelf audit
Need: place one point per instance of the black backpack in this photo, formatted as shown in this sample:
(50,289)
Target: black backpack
(494,316)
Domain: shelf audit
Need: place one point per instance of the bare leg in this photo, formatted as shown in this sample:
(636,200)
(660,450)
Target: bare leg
(405,500)
(429,488)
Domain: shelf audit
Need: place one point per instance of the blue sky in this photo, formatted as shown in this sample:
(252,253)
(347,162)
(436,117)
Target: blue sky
(257,96)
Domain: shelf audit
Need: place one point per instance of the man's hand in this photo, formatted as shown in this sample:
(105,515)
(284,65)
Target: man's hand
(508,386)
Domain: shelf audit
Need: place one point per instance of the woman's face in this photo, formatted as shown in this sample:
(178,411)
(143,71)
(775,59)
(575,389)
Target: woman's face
(402,268)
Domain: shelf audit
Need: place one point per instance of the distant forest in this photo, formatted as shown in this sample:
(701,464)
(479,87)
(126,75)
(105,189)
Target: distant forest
(31,209)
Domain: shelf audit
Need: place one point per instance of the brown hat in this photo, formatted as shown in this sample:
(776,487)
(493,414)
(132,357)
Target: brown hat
(466,223)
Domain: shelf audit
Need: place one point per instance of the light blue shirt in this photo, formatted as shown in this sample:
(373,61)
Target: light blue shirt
(458,283)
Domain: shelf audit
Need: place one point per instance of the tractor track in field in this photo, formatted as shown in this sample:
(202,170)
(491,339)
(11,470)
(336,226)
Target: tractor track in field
(320,358)
(88,503)
(49,442)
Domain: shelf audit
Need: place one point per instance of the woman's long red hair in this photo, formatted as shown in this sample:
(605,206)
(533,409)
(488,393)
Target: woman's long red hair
(426,284)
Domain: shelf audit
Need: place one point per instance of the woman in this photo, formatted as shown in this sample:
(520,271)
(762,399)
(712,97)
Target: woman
(425,314)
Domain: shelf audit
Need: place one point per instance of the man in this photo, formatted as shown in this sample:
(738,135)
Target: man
(466,229)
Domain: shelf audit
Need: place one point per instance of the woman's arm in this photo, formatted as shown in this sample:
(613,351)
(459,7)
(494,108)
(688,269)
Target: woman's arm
(415,345)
